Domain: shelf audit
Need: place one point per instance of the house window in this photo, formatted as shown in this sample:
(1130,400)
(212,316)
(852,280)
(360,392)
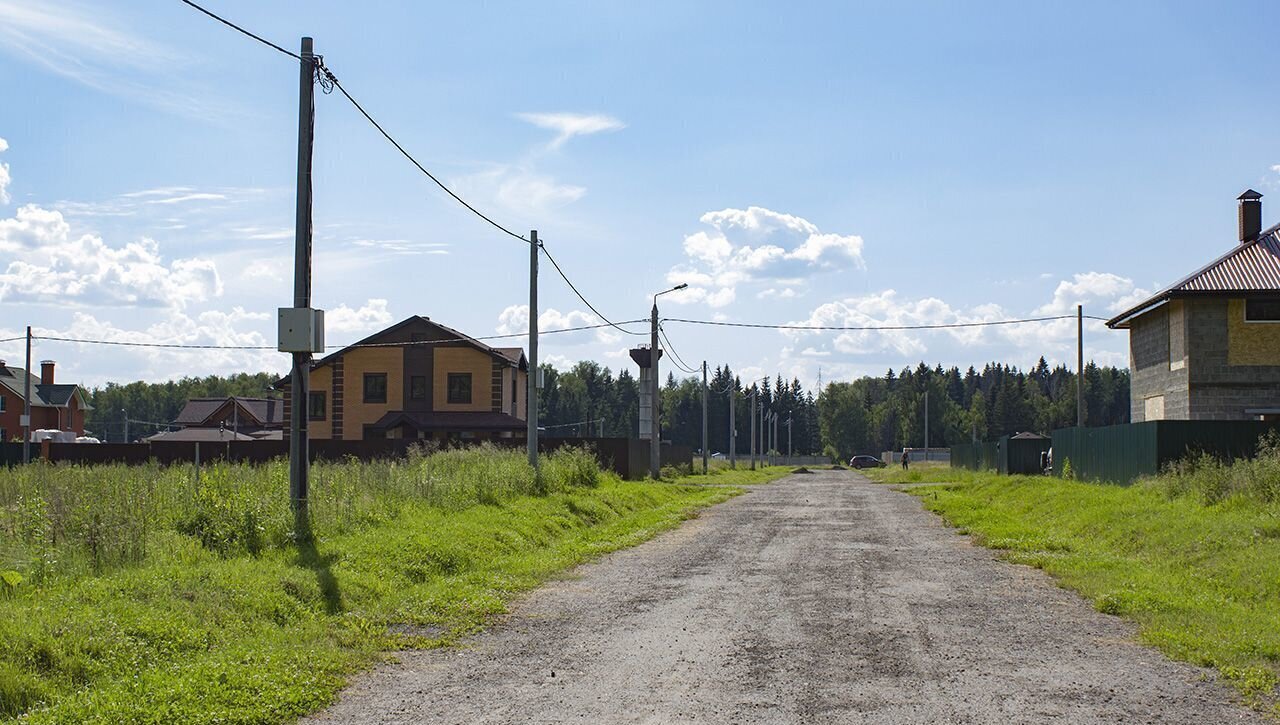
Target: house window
(2,408)
(375,387)
(459,388)
(315,405)
(418,387)
(4,435)
(1262,309)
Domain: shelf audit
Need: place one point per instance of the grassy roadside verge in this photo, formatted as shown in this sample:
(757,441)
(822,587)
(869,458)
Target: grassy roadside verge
(225,620)
(1200,575)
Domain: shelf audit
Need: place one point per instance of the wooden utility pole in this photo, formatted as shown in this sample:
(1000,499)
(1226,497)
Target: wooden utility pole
(531,389)
(299,382)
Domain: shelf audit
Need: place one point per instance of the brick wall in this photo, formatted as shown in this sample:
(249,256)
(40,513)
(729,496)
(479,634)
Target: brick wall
(1149,338)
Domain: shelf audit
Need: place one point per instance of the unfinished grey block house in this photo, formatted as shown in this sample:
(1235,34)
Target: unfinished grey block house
(1208,346)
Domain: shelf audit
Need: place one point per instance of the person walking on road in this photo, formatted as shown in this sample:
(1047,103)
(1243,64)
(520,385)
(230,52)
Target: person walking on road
(905,458)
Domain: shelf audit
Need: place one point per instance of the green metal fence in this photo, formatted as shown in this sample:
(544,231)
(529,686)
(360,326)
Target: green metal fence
(1123,453)
(1007,455)
(976,456)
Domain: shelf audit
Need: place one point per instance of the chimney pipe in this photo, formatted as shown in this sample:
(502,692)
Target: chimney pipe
(1250,215)
(46,372)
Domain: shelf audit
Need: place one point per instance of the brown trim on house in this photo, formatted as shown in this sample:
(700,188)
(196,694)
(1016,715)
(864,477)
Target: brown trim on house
(339,391)
(495,387)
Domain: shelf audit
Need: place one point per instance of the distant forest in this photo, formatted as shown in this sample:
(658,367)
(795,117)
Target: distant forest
(866,415)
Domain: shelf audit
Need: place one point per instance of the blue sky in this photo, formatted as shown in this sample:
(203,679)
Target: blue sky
(802,162)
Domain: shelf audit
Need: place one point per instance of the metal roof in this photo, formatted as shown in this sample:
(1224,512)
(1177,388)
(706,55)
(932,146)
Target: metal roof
(1249,268)
(52,395)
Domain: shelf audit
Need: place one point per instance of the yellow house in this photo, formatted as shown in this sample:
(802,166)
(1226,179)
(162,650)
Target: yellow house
(417,379)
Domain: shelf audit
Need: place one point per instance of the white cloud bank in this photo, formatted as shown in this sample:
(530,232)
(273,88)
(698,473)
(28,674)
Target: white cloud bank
(755,243)
(48,263)
(514,320)
(373,315)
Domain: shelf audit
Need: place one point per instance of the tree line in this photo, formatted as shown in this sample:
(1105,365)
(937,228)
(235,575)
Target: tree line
(866,415)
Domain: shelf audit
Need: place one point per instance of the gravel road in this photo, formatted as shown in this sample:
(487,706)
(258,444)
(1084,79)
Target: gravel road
(819,598)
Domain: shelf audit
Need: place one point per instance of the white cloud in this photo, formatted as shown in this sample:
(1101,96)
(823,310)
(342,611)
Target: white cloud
(373,315)
(401,246)
(92,364)
(1095,290)
(193,196)
(91,48)
(520,189)
(785,293)
(568,125)
(514,320)
(757,244)
(1054,339)
(5,179)
(50,264)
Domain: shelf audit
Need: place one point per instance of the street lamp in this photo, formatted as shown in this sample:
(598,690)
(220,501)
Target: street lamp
(125,413)
(655,432)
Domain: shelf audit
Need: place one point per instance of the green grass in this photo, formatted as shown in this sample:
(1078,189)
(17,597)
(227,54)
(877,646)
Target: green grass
(1193,557)
(144,595)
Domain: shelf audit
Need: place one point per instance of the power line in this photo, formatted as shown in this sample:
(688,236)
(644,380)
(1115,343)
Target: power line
(590,306)
(679,361)
(327,78)
(942,326)
(178,346)
(233,26)
(12,339)
(334,80)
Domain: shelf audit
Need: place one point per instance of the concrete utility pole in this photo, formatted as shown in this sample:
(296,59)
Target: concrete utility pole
(655,436)
(704,417)
(26,406)
(300,378)
(764,437)
(655,442)
(531,385)
(790,450)
(754,397)
(125,413)
(732,424)
(1080,366)
(926,425)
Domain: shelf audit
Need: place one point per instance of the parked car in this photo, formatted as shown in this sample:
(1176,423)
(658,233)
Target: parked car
(866,462)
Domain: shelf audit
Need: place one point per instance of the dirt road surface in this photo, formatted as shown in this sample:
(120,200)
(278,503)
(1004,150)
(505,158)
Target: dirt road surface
(819,598)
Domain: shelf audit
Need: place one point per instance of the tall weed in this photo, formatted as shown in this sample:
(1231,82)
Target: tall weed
(68,520)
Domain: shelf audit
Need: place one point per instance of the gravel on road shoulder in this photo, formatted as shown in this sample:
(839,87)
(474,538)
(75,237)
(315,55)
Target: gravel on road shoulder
(821,598)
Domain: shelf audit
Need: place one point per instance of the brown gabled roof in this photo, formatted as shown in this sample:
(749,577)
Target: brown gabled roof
(266,412)
(511,355)
(1249,268)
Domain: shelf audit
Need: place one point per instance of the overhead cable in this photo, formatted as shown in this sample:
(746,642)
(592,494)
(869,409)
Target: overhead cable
(180,346)
(590,306)
(679,362)
(869,328)
(233,26)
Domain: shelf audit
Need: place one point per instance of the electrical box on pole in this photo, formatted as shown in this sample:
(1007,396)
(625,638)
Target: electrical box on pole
(300,330)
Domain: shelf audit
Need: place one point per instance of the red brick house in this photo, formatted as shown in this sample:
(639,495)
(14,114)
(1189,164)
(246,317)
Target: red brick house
(53,406)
